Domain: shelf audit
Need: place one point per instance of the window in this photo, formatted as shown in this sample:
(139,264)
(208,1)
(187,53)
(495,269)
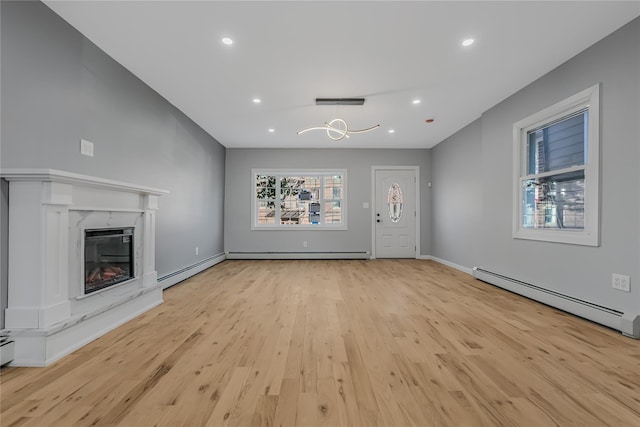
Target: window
(304,199)
(556,166)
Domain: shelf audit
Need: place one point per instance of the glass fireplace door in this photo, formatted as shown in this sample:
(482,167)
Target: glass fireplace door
(108,257)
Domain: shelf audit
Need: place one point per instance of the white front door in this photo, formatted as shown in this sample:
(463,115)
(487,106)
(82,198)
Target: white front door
(395,213)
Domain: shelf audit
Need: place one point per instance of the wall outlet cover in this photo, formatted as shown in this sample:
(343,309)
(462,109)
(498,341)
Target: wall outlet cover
(621,282)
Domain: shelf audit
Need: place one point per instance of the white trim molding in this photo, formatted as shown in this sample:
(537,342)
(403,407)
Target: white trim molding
(448,263)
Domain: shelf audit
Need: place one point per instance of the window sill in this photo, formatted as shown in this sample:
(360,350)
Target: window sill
(285,227)
(569,237)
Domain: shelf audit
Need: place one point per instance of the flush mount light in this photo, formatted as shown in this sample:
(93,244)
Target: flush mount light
(467,42)
(227,41)
(272,130)
(257,100)
(416,102)
(338,129)
(391,131)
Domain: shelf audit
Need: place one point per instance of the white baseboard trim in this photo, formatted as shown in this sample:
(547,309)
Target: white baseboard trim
(448,263)
(298,255)
(171,279)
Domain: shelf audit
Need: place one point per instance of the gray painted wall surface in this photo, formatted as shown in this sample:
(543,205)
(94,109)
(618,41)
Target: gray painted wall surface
(58,87)
(580,271)
(457,196)
(239,189)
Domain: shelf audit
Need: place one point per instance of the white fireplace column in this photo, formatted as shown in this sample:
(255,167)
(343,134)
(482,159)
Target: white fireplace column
(150,276)
(48,314)
(38,254)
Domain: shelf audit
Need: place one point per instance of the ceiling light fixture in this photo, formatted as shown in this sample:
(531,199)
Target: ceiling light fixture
(257,100)
(338,129)
(391,131)
(272,130)
(416,102)
(227,41)
(468,42)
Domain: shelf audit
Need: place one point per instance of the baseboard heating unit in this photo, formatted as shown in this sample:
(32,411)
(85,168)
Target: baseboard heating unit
(184,273)
(299,255)
(629,325)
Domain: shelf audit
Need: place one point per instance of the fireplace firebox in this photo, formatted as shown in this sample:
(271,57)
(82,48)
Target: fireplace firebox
(108,257)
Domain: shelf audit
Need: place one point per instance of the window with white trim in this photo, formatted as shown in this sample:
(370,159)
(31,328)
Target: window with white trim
(556,172)
(300,199)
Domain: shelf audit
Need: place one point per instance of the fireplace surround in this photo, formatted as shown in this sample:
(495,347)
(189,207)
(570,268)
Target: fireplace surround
(81,259)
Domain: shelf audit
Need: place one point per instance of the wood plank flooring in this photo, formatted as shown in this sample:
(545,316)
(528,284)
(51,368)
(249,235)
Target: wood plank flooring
(337,343)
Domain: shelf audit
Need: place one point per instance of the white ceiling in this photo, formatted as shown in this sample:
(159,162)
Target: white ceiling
(288,53)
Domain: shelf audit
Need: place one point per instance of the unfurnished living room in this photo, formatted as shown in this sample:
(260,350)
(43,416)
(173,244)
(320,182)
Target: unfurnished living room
(320,213)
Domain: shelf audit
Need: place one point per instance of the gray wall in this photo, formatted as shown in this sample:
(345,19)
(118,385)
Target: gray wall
(457,196)
(484,151)
(238,234)
(58,87)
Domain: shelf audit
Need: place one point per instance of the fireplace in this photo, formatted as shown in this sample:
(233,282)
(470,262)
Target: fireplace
(81,260)
(108,258)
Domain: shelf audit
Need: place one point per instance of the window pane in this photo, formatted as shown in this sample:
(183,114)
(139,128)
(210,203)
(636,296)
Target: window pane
(554,202)
(314,213)
(332,212)
(265,187)
(394,202)
(266,213)
(557,146)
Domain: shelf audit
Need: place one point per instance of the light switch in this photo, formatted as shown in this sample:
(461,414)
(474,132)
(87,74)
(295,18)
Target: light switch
(86,147)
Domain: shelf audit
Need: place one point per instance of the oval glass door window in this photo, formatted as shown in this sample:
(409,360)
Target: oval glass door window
(394,202)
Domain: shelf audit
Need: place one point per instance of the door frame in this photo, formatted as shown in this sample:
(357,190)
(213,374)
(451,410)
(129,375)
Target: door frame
(416,171)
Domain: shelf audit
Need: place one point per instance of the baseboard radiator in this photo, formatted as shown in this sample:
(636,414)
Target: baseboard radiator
(184,273)
(627,324)
(299,255)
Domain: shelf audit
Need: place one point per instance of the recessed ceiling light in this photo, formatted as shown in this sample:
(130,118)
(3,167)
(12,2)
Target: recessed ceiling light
(391,131)
(257,100)
(227,40)
(272,130)
(416,102)
(468,42)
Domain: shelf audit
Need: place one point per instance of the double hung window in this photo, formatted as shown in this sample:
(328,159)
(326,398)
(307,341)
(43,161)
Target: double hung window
(556,163)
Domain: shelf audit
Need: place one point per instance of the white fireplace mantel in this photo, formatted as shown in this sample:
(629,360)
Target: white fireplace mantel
(47,315)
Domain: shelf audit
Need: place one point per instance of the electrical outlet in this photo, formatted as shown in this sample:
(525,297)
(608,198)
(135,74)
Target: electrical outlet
(197,250)
(304,244)
(621,282)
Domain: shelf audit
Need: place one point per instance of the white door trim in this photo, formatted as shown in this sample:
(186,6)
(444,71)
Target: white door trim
(416,171)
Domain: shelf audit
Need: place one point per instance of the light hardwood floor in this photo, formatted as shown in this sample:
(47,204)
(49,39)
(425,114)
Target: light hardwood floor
(337,343)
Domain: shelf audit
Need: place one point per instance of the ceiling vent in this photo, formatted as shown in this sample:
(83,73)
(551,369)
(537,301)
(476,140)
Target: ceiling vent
(339,101)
